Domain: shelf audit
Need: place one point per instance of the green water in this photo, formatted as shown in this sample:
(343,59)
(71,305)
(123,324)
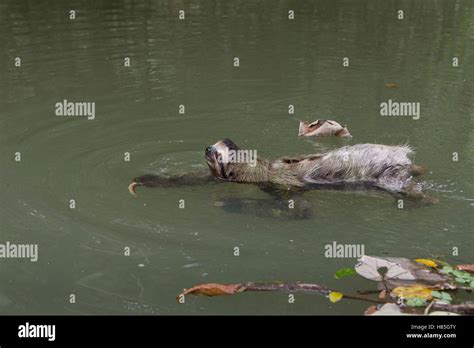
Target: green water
(190,62)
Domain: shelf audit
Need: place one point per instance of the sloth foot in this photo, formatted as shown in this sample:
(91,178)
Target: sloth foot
(419,197)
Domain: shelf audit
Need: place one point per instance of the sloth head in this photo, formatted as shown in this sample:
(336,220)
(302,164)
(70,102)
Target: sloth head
(219,161)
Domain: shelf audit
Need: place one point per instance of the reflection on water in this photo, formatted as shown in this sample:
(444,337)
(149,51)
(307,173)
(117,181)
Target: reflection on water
(190,62)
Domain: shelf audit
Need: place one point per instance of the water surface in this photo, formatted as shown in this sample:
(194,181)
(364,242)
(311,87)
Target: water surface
(190,62)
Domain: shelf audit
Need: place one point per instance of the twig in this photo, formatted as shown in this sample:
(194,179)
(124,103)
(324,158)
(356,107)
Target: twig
(301,287)
(463,308)
(427,310)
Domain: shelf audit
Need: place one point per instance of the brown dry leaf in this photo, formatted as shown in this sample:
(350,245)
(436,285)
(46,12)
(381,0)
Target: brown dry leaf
(466,268)
(391,85)
(213,289)
(370,310)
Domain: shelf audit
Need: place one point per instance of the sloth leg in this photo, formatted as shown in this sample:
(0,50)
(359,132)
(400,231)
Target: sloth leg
(407,190)
(416,170)
(283,204)
(288,203)
(151,180)
(413,193)
(418,196)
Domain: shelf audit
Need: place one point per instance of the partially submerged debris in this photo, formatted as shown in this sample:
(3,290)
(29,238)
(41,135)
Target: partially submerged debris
(405,286)
(386,309)
(214,289)
(323,128)
(466,268)
(416,290)
(397,271)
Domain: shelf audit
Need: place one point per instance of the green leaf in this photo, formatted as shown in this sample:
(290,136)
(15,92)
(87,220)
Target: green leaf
(446,269)
(344,272)
(447,297)
(460,280)
(471,285)
(439,262)
(441,295)
(460,274)
(414,302)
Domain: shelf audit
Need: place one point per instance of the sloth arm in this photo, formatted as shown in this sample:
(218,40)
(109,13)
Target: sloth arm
(276,207)
(187,179)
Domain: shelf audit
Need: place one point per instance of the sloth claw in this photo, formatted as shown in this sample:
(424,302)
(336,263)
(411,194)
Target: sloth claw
(131,188)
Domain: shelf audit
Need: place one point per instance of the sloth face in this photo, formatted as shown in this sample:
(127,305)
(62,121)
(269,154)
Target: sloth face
(217,156)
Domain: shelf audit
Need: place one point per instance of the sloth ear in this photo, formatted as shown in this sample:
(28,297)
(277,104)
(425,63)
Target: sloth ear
(230,144)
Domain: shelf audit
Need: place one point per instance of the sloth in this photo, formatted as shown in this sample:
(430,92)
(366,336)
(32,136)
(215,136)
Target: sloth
(385,167)
(382,166)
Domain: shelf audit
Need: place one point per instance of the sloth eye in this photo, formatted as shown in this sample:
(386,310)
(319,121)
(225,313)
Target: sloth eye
(219,157)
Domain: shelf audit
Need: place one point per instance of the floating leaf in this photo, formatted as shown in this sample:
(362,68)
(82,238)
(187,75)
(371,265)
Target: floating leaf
(386,309)
(467,268)
(415,291)
(371,310)
(213,289)
(439,262)
(335,296)
(415,302)
(391,85)
(460,274)
(441,295)
(377,268)
(427,262)
(447,269)
(344,272)
(471,285)
(460,280)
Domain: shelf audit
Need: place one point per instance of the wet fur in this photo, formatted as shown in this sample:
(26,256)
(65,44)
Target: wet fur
(383,166)
(364,165)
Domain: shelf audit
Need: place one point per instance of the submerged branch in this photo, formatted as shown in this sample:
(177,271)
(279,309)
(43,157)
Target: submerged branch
(213,289)
(463,308)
